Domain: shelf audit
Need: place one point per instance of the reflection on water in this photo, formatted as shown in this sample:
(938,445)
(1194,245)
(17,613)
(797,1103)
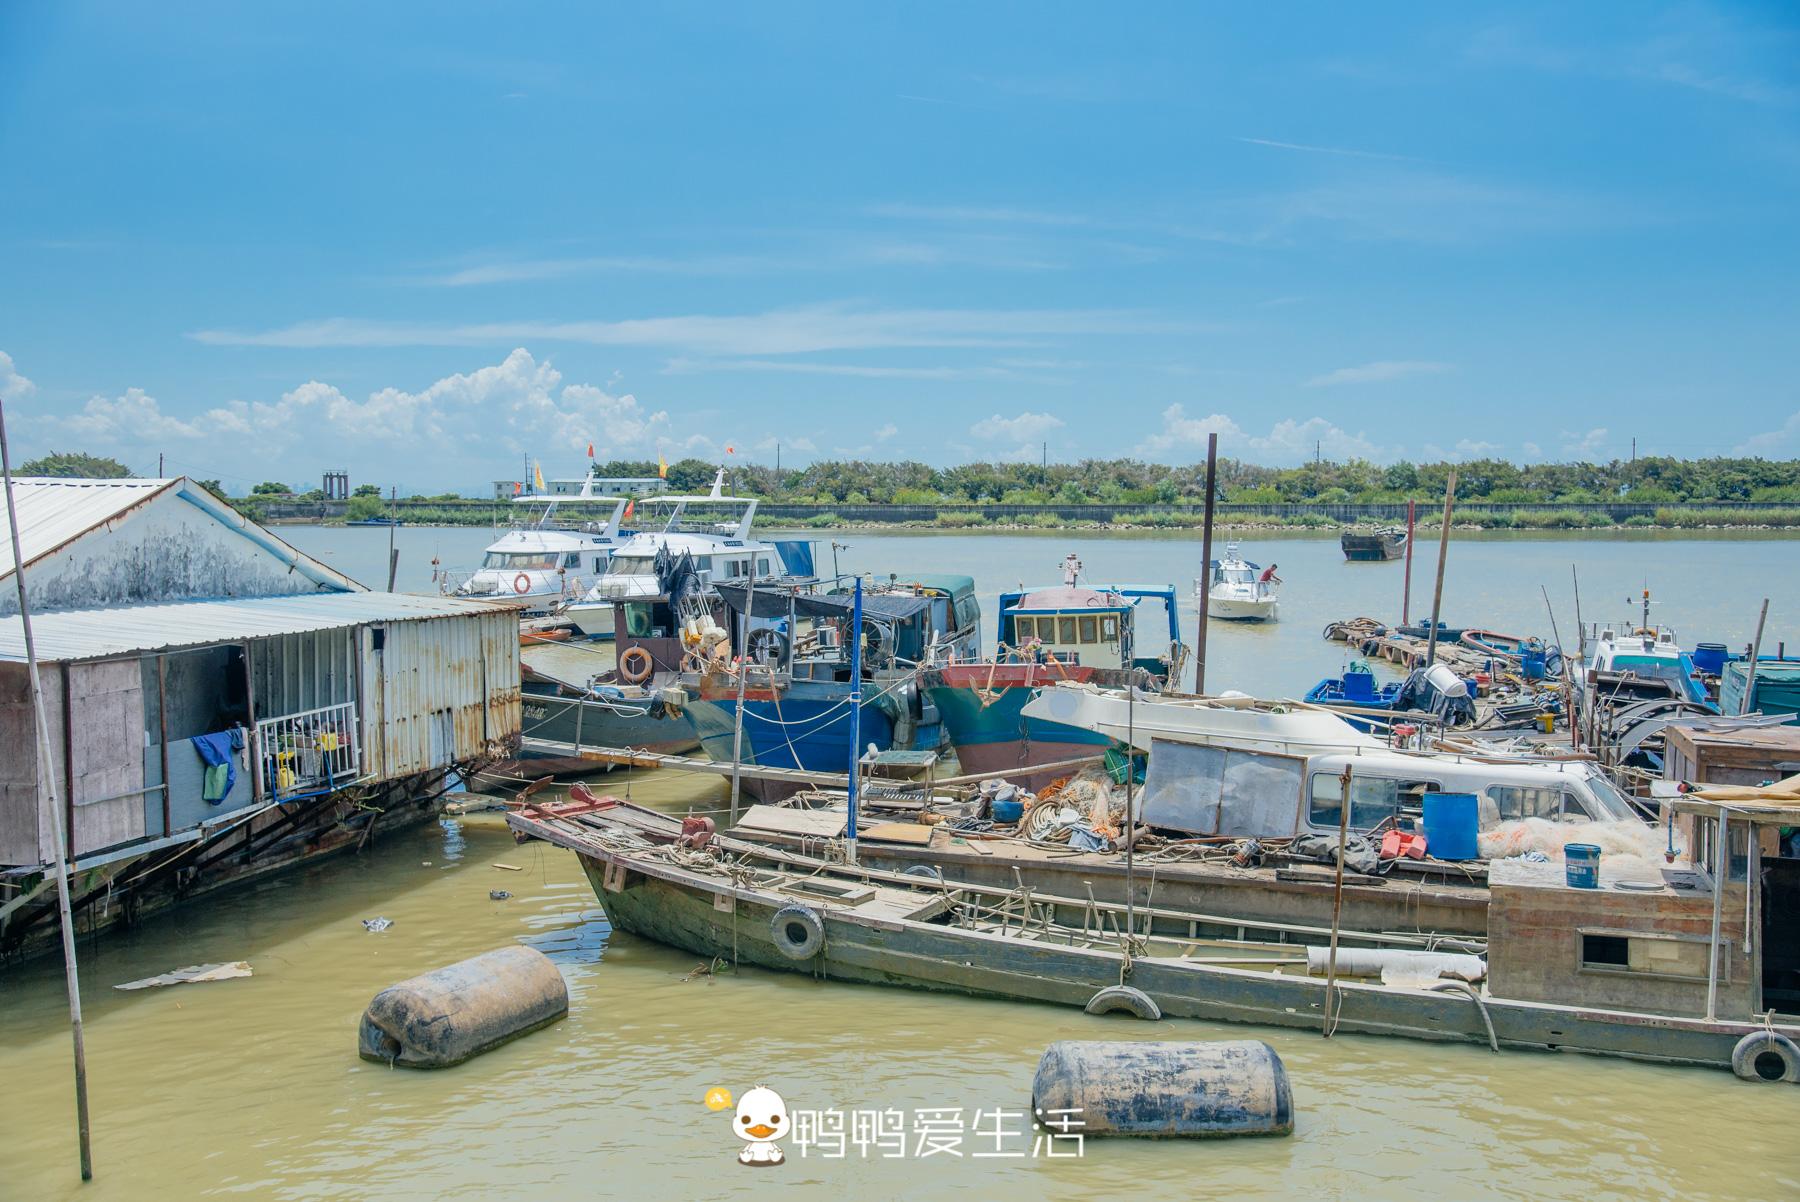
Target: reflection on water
(253,1087)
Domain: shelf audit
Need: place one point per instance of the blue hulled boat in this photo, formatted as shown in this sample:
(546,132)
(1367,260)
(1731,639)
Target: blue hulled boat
(1356,689)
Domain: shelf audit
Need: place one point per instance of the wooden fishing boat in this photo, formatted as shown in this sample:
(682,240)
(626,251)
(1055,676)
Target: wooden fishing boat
(1373,546)
(717,897)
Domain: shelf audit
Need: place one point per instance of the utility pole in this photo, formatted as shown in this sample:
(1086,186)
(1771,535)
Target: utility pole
(1046,462)
(59,837)
(1437,594)
(159,466)
(1634,448)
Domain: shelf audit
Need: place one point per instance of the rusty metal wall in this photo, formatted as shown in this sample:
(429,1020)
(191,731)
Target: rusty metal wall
(439,690)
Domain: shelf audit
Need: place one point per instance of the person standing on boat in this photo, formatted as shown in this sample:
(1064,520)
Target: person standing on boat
(1269,576)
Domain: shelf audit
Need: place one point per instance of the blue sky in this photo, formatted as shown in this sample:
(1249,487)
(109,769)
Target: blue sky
(421,241)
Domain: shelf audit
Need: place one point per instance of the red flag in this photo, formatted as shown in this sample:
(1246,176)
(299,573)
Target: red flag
(729,449)
(630,508)
(517,488)
(590,450)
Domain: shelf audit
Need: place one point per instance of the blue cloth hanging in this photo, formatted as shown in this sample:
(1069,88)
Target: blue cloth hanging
(216,752)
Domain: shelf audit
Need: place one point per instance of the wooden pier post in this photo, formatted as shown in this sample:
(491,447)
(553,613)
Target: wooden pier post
(1437,594)
(743,657)
(1212,478)
(60,835)
(1406,589)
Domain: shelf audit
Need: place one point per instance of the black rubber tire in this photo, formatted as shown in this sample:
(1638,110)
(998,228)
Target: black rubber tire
(1747,1057)
(797,932)
(1123,999)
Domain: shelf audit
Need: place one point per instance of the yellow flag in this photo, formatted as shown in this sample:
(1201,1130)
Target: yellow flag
(537,477)
(662,467)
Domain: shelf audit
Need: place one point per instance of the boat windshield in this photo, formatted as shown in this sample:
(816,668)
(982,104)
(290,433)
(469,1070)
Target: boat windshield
(540,560)
(1235,576)
(631,565)
(1616,807)
(1650,666)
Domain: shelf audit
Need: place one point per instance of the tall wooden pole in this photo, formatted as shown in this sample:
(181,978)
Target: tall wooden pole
(1337,900)
(1437,594)
(58,834)
(1406,589)
(856,623)
(1212,479)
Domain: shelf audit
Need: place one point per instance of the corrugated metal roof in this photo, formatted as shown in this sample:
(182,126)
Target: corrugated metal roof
(54,511)
(84,634)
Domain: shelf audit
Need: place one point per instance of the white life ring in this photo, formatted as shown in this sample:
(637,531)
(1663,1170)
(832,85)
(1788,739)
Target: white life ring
(521,584)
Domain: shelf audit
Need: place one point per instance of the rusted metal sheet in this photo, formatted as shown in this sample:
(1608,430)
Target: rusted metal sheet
(438,691)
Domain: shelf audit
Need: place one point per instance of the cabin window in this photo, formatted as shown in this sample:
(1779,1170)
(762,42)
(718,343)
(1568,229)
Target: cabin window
(1372,798)
(1513,802)
(762,566)
(530,560)
(1065,630)
(572,560)
(1089,629)
(1109,629)
(968,613)
(1024,628)
(1646,954)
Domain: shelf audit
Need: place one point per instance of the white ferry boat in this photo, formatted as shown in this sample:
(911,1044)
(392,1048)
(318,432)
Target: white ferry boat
(546,562)
(714,529)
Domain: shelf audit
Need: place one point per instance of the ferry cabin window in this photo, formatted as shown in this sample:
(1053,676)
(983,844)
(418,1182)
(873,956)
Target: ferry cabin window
(762,566)
(1023,629)
(572,560)
(1109,629)
(1089,629)
(631,565)
(1065,630)
(516,560)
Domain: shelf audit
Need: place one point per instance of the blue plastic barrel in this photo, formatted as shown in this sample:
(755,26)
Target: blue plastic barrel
(1710,657)
(1452,824)
(1582,865)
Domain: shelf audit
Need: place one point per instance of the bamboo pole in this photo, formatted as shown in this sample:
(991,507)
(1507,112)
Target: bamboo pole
(1337,901)
(1130,829)
(59,834)
(1755,654)
(1206,540)
(1437,593)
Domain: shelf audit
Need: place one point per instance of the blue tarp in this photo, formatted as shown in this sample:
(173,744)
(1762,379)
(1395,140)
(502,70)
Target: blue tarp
(217,750)
(797,555)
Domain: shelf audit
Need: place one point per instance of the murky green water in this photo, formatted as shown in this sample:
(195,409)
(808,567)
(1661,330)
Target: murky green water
(252,1088)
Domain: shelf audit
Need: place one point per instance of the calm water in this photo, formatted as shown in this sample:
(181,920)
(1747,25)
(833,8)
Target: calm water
(252,1088)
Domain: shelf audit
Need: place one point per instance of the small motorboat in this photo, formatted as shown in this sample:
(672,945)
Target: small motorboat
(1238,590)
(1356,690)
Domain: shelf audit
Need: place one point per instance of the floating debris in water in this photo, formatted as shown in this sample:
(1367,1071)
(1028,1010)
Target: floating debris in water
(508,867)
(193,974)
(498,895)
(711,969)
(378,924)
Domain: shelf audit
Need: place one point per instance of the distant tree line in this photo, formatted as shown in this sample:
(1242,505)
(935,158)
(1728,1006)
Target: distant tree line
(1651,480)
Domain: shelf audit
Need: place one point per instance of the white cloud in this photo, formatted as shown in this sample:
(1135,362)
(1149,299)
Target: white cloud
(1288,440)
(865,371)
(13,386)
(518,404)
(1337,150)
(513,271)
(1533,451)
(795,331)
(1024,427)
(1785,437)
(1583,446)
(1378,372)
(1469,448)
(886,432)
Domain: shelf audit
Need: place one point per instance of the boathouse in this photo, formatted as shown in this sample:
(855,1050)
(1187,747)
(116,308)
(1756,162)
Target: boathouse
(219,704)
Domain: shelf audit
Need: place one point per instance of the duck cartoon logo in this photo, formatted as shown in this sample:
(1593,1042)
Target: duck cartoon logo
(761,1119)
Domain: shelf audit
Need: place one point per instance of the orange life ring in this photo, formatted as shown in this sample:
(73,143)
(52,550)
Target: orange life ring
(635,665)
(521,584)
